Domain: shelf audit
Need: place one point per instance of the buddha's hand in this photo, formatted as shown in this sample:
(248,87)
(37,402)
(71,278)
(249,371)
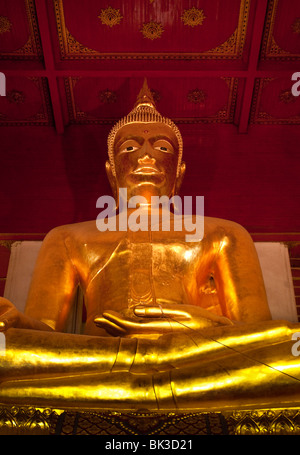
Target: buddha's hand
(9,315)
(147,320)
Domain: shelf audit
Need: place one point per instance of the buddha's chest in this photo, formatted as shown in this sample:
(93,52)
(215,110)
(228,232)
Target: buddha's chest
(144,272)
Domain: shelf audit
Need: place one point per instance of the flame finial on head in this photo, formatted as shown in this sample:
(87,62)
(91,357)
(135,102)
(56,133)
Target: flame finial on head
(145,97)
(144,111)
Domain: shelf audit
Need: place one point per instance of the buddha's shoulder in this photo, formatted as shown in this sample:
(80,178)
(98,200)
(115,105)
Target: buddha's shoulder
(79,231)
(223,227)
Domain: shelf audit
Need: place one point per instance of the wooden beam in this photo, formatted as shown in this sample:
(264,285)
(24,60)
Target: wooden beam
(49,61)
(252,73)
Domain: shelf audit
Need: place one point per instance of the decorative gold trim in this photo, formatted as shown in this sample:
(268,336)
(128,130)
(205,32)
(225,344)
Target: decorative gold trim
(36,420)
(270,50)
(107,96)
(110,16)
(27,420)
(268,422)
(197,96)
(32,49)
(7,243)
(5,25)
(224,115)
(193,17)
(44,116)
(152,30)
(15,97)
(232,48)
(262,117)
(75,47)
(286,96)
(228,47)
(296,25)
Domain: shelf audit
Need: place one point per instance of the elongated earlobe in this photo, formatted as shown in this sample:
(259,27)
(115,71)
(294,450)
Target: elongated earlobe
(179,179)
(112,180)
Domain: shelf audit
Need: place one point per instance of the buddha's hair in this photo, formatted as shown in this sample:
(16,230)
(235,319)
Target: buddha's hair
(143,112)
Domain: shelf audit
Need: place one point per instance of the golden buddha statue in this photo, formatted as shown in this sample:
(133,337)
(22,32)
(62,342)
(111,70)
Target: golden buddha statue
(171,324)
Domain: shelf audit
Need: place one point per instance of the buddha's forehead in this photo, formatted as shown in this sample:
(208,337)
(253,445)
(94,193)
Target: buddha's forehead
(147,131)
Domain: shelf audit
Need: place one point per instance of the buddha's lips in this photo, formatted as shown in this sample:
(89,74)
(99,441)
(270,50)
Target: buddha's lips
(146,170)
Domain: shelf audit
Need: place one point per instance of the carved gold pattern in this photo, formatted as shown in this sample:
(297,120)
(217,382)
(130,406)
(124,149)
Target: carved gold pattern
(263,117)
(27,420)
(287,97)
(232,48)
(270,50)
(224,115)
(42,117)
(74,47)
(226,48)
(196,96)
(5,24)
(268,422)
(152,30)
(193,17)
(36,420)
(15,97)
(296,25)
(110,16)
(107,96)
(6,243)
(32,49)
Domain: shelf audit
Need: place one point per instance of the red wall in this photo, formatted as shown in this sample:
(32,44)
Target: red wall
(48,180)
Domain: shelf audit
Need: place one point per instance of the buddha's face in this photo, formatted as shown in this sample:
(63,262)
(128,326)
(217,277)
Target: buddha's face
(146,159)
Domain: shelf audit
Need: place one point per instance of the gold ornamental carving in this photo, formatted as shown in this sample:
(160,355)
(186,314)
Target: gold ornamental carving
(110,16)
(197,96)
(15,97)
(27,420)
(32,49)
(107,96)
(264,422)
(76,48)
(232,48)
(287,97)
(152,30)
(193,17)
(262,117)
(5,25)
(30,420)
(296,25)
(270,49)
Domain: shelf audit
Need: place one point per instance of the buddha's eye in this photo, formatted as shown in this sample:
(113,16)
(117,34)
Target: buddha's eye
(130,148)
(162,148)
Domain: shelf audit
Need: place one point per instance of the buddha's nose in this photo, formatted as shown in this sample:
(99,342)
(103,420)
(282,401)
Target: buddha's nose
(146,159)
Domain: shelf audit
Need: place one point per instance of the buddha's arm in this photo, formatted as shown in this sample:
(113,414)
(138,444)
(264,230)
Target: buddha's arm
(238,278)
(10,316)
(53,283)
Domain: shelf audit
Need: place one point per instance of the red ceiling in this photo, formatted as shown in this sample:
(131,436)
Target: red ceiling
(228,61)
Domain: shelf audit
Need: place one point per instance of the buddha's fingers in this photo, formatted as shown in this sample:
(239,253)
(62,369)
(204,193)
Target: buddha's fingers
(159,312)
(109,326)
(143,325)
(3,325)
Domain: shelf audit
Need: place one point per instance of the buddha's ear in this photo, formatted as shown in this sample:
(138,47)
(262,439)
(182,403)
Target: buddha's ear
(111,178)
(180,177)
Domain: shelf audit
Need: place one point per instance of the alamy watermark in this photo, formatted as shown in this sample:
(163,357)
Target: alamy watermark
(2,84)
(296,86)
(2,344)
(296,345)
(154,217)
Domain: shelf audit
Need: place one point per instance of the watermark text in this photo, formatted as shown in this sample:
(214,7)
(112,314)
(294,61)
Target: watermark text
(2,84)
(155,217)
